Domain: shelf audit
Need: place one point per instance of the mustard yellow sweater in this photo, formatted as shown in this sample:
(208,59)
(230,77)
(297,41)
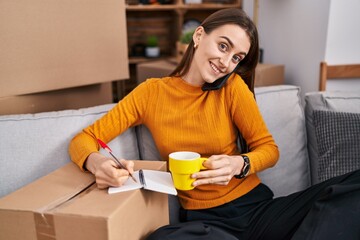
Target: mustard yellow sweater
(182,117)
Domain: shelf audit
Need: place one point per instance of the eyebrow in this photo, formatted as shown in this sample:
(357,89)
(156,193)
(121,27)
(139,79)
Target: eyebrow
(232,44)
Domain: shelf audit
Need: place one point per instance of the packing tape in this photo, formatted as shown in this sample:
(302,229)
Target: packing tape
(44,219)
(44,226)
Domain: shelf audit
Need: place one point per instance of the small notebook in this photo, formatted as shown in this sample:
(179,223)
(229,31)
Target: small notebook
(153,180)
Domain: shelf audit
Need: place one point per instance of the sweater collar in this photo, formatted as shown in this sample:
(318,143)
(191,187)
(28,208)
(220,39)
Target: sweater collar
(184,86)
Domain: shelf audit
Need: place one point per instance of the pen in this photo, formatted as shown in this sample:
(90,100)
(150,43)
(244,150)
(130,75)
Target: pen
(107,148)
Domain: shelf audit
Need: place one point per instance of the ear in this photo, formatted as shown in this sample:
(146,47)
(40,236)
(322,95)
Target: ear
(199,31)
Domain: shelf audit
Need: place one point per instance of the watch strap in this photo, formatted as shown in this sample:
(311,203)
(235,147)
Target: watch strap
(245,169)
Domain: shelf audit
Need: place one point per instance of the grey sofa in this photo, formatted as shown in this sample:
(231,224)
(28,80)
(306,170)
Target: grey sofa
(33,145)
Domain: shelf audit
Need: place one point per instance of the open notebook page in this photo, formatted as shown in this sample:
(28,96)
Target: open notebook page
(157,181)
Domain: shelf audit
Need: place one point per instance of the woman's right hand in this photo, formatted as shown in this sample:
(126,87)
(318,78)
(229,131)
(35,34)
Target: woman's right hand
(106,171)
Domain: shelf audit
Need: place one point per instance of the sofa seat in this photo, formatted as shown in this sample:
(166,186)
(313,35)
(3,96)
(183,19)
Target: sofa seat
(34,145)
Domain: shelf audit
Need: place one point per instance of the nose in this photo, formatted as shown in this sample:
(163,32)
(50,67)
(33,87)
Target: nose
(225,61)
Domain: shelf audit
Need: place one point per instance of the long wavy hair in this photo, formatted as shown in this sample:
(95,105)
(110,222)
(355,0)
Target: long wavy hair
(222,17)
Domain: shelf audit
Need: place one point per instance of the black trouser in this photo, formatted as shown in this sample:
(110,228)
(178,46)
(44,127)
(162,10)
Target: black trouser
(328,210)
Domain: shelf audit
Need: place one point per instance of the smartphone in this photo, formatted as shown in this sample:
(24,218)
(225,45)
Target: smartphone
(218,83)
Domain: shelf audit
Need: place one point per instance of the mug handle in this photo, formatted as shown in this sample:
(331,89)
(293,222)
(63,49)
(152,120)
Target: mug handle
(202,160)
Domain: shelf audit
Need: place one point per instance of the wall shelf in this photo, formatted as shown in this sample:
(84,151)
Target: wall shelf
(164,21)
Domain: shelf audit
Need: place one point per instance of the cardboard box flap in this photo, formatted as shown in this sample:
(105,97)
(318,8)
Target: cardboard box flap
(150,164)
(98,198)
(49,191)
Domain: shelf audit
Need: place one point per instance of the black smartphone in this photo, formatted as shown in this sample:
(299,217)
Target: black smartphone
(218,82)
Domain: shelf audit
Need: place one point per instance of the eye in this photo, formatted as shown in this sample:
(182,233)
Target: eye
(236,58)
(223,47)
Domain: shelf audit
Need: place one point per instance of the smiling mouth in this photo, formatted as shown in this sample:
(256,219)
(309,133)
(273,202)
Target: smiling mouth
(216,70)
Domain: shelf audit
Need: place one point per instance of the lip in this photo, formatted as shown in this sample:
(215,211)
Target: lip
(215,69)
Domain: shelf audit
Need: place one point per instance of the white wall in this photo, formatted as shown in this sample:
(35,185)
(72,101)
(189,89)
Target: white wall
(343,40)
(297,33)
(343,37)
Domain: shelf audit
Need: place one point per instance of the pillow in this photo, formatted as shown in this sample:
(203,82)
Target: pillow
(283,114)
(338,141)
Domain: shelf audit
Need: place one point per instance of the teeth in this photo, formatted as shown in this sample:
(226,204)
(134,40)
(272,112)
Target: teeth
(214,68)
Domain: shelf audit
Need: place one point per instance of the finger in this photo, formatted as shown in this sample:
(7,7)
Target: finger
(129,165)
(216,161)
(221,172)
(106,181)
(109,175)
(110,169)
(110,182)
(222,180)
(205,174)
(121,178)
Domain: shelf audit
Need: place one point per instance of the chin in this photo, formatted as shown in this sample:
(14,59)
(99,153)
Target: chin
(210,80)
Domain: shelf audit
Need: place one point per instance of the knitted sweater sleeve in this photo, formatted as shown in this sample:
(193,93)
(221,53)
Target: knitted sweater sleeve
(127,113)
(263,151)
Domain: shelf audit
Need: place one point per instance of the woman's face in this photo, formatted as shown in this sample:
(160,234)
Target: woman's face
(217,53)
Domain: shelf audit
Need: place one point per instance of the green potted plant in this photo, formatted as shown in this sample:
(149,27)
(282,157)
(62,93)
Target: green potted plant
(186,36)
(183,43)
(152,46)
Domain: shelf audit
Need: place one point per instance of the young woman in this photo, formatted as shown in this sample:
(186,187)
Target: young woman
(193,111)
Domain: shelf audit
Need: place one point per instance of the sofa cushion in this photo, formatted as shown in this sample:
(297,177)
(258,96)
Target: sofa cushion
(338,140)
(328,101)
(33,145)
(283,113)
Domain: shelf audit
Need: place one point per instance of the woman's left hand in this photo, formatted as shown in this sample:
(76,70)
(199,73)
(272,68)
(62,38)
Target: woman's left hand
(220,170)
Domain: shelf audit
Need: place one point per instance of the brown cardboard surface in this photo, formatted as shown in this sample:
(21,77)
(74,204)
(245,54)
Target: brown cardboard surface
(154,69)
(265,74)
(67,205)
(17,210)
(71,98)
(269,74)
(47,45)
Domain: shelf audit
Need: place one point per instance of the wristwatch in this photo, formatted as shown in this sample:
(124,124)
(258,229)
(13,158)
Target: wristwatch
(246,168)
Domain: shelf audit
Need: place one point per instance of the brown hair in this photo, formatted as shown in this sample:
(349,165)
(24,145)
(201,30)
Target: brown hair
(222,17)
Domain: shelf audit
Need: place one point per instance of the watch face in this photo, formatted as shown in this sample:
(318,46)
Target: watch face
(246,169)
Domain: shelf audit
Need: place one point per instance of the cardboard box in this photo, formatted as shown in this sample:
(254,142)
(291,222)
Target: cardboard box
(265,74)
(269,74)
(66,205)
(68,44)
(154,69)
(71,98)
